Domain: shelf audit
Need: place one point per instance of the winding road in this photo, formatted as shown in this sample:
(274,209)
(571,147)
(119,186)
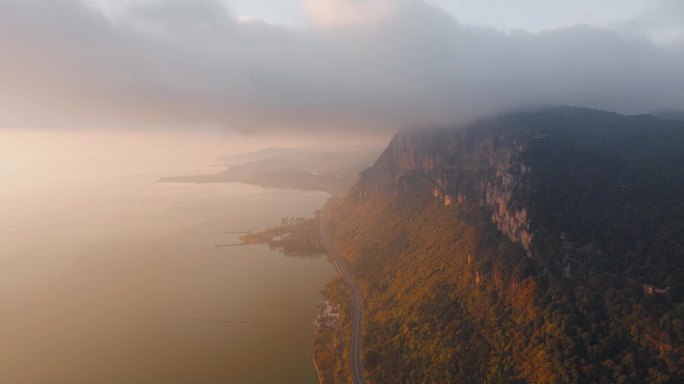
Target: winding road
(357,324)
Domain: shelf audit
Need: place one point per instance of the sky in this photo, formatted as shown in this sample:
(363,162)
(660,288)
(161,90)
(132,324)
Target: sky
(329,66)
(531,15)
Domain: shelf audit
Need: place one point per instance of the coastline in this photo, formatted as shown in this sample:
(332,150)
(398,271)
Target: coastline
(329,347)
(329,344)
(300,237)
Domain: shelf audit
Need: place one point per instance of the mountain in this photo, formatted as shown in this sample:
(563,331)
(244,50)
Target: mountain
(670,114)
(333,170)
(535,247)
(266,153)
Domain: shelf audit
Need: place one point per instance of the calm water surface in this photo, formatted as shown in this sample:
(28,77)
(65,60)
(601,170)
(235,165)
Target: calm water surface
(103,279)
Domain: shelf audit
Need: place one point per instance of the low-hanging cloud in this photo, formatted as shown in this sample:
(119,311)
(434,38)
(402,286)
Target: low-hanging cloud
(384,65)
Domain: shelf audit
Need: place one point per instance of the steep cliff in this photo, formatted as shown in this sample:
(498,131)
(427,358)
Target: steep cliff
(537,247)
(479,164)
(560,174)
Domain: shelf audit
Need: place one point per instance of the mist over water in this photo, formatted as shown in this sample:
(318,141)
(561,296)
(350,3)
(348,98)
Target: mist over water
(105,274)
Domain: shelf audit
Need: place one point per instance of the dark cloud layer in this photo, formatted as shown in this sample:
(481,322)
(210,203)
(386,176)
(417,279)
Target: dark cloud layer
(194,64)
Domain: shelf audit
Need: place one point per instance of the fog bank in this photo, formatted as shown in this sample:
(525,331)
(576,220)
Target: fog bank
(359,66)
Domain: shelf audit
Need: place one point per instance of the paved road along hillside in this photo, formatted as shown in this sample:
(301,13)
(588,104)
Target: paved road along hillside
(357,324)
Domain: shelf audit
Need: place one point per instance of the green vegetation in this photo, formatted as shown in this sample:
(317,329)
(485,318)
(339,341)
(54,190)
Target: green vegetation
(615,186)
(330,344)
(451,299)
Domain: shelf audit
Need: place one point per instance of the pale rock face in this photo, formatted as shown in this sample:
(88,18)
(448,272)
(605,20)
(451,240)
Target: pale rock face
(484,168)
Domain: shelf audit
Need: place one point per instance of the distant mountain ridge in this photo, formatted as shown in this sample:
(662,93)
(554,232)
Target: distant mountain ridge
(670,114)
(534,247)
(333,170)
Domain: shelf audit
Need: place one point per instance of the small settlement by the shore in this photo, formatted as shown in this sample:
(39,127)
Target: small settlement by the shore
(328,315)
(299,237)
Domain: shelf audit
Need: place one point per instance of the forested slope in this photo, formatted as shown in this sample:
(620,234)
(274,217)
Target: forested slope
(536,247)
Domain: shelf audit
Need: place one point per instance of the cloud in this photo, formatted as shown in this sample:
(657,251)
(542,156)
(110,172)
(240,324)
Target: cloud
(663,21)
(380,65)
(179,15)
(345,12)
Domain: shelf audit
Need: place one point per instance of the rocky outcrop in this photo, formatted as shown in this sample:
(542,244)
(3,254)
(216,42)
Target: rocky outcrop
(475,164)
(596,199)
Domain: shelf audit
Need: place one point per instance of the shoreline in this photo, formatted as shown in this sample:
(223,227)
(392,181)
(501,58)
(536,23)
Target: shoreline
(328,344)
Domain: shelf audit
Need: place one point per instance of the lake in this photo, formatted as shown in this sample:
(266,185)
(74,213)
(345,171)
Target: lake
(115,278)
